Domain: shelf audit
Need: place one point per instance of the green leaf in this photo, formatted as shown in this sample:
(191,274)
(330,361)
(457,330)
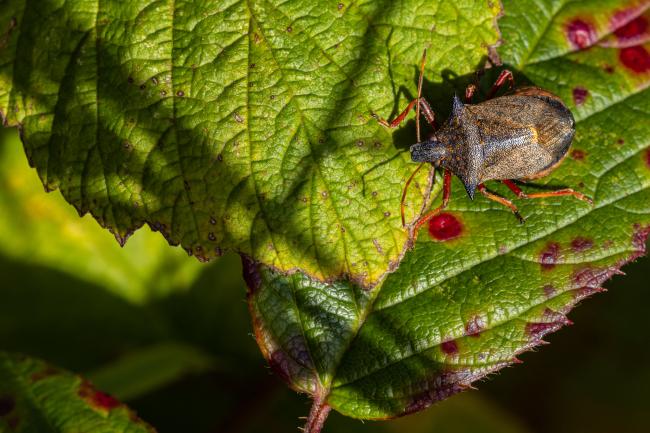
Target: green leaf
(44,230)
(242,126)
(37,397)
(150,368)
(479,288)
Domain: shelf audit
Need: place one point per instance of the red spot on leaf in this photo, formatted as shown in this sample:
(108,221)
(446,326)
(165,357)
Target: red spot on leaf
(622,17)
(445,227)
(449,347)
(608,69)
(585,292)
(578,154)
(580,95)
(441,386)
(549,256)
(620,141)
(549,290)
(633,30)
(635,58)
(580,33)
(593,277)
(7,405)
(640,235)
(581,244)
(97,399)
(647,158)
(537,330)
(474,327)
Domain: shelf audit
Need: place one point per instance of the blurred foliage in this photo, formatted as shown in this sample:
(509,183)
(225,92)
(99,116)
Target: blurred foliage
(199,372)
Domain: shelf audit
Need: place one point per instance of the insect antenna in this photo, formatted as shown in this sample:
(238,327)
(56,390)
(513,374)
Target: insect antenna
(404,191)
(417,131)
(417,106)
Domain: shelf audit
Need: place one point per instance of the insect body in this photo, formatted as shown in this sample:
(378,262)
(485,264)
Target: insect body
(520,136)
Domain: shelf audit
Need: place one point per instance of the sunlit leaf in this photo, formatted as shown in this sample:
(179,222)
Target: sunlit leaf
(478,288)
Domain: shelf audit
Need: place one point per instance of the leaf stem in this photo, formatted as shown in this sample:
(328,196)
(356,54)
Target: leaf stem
(317,415)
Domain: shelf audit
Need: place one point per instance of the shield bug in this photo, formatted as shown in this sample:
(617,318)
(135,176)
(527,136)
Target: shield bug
(522,135)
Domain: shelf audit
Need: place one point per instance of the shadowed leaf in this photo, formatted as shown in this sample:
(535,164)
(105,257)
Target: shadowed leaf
(242,126)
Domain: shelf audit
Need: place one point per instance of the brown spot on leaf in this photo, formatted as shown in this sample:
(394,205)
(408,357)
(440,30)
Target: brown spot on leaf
(445,227)
(647,158)
(581,244)
(578,154)
(580,95)
(549,256)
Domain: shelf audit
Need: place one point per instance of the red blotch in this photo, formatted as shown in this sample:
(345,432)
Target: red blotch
(580,95)
(445,227)
(580,244)
(97,399)
(474,327)
(635,59)
(647,158)
(633,30)
(585,292)
(593,277)
(7,405)
(578,154)
(554,321)
(609,69)
(549,256)
(549,290)
(580,33)
(640,235)
(620,141)
(623,17)
(449,347)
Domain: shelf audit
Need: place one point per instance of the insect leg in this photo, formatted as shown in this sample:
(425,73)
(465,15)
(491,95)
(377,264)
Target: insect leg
(566,191)
(503,76)
(422,107)
(446,192)
(501,200)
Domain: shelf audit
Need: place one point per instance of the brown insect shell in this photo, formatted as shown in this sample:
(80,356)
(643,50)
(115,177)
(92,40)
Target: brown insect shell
(521,135)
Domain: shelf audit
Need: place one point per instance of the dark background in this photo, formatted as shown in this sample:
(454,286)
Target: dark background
(185,360)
